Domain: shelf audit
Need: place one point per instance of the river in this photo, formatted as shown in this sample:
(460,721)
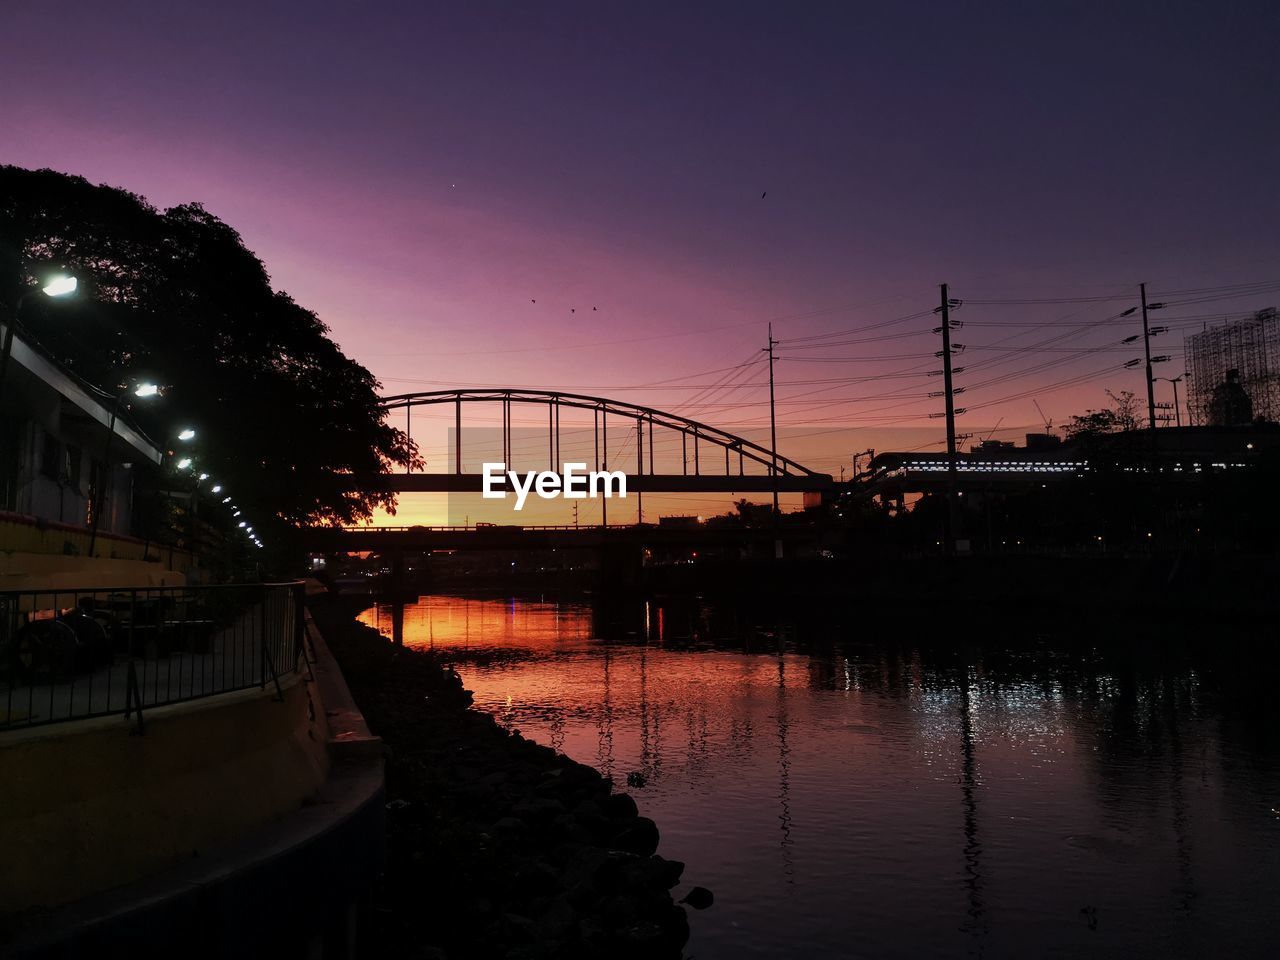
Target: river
(886,797)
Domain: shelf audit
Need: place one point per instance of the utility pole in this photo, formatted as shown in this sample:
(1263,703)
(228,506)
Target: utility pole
(948,391)
(639,470)
(773,421)
(1146,345)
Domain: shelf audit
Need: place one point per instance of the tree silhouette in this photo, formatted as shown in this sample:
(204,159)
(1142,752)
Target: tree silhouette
(1120,416)
(175,297)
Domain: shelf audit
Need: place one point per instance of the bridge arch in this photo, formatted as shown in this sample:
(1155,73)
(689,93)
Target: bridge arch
(694,434)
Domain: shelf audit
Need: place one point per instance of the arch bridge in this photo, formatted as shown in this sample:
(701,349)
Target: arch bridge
(711,460)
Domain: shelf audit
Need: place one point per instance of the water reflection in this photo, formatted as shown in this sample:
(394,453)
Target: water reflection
(888,799)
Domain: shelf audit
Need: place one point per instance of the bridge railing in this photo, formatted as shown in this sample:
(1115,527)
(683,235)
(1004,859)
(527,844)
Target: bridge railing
(482,527)
(73,654)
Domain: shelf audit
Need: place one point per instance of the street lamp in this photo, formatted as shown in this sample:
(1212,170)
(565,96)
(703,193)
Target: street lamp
(57,286)
(60,285)
(186,434)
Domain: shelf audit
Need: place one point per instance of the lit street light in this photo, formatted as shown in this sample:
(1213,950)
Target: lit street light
(187,434)
(60,285)
(184,463)
(56,287)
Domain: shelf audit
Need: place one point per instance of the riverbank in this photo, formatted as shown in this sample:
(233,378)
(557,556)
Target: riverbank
(496,846)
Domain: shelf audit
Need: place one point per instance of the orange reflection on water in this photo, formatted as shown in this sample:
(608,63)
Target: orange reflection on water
(471,626)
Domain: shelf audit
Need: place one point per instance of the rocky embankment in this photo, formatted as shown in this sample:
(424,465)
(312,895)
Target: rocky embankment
(497,847)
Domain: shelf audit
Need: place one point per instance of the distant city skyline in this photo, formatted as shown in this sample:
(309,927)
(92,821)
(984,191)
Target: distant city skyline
(597,199)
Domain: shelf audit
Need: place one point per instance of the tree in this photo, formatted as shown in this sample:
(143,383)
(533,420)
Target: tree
(1120,416)
(284,417)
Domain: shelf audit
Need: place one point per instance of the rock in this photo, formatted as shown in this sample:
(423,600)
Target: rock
(518,921)
(508,825)
(655,873)
(620,911)
(538,809)
(699,898)
(571,829)
(609,877)
(556,920)
(676,925)
(643,934)
(620,806)
(639,837)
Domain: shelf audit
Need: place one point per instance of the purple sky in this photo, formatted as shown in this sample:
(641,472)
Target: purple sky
(419,173)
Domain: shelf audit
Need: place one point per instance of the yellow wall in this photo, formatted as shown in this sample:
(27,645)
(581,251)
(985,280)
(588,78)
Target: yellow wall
(90,805)
(35,571)
(22,536)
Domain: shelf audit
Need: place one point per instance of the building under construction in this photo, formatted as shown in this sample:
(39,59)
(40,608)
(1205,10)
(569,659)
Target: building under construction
(1243,355)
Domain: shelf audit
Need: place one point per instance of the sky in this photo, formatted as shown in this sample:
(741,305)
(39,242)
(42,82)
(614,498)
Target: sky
(597,196)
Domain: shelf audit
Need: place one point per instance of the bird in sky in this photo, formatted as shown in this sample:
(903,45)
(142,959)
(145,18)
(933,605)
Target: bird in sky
(763,195)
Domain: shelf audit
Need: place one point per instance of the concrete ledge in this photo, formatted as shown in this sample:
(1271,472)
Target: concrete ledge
(349,736)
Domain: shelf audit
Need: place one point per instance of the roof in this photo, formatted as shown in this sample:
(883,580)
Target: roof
(88,400)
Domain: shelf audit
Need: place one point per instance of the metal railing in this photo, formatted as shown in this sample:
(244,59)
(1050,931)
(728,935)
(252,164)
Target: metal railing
(73,654)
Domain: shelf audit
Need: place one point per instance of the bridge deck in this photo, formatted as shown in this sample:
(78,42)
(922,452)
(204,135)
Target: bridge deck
(337,539)
(636,483)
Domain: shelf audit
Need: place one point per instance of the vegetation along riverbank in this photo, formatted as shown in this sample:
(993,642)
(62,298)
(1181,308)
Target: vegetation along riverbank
(497,846)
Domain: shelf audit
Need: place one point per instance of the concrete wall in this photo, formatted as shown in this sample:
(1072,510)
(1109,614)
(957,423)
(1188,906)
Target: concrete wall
(91,805)
(38,554)
(44,572)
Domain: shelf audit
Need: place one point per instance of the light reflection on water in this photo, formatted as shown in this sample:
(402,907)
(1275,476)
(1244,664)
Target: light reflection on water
(864,799)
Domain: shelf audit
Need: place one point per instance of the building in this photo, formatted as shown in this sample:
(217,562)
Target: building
(62,454)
